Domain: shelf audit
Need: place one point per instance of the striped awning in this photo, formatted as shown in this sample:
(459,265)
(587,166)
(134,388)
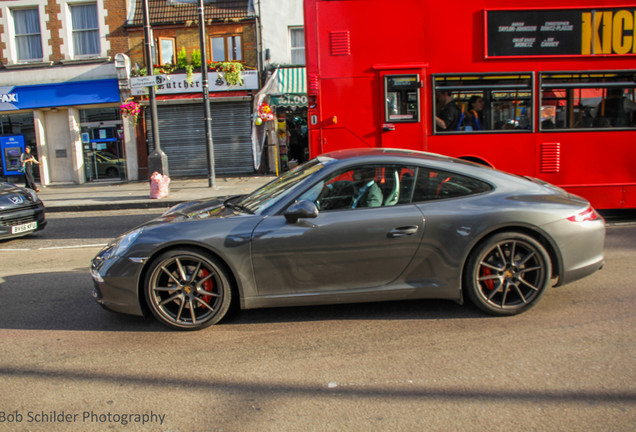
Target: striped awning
(292,80)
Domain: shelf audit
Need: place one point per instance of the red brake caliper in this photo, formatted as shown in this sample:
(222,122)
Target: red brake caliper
(489,283)
(207,285)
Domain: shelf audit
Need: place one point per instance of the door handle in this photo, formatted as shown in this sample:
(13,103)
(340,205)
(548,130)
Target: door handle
(403,231)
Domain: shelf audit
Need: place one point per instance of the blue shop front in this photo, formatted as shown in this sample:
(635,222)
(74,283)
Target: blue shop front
(74,128)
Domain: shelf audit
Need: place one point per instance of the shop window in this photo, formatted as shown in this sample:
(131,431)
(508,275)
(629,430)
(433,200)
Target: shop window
(588,100)
(85,29)
(297,45)
(226,48)
(28,39)
(474,103)
(402,98)
(166,54)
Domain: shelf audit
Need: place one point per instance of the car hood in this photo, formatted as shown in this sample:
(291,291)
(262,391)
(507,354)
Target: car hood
(196,210)
(15,196)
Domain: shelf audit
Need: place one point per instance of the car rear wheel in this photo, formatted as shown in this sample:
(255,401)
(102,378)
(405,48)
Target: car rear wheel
(187,290)
(507,274)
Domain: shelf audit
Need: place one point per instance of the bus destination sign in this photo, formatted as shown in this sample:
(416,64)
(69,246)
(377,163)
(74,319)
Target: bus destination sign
(560,32)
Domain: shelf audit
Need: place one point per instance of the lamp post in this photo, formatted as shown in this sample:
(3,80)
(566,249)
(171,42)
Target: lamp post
(157,160)
(209,147)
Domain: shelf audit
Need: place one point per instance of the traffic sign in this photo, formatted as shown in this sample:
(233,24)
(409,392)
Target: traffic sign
(147,81)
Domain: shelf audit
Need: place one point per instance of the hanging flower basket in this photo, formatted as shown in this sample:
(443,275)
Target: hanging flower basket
(130,109)
(230,71)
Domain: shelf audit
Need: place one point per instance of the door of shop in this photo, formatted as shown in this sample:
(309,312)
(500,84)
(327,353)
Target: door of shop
(104,157)
(402,122)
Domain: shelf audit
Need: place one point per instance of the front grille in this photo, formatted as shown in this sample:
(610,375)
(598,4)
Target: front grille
(8,211)
(18,220)
(19,216)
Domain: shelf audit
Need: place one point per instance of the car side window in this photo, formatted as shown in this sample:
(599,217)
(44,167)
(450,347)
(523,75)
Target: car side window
(363,187)
(434,185)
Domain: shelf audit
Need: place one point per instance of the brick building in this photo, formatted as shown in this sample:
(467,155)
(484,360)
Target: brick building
(60,88)
(231,35)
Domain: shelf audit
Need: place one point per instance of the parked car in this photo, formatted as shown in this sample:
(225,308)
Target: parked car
(21,211)
(109,165)
(356,226)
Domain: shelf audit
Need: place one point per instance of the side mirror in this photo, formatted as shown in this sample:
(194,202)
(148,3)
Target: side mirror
(304,209)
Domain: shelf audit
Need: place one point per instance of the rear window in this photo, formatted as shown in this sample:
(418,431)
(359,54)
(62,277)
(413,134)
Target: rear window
(434,185)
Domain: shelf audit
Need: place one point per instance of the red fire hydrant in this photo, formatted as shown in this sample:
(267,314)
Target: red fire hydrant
(159,185)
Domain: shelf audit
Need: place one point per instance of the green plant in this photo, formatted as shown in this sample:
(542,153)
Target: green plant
(182,58)
(195,59)
(231,71)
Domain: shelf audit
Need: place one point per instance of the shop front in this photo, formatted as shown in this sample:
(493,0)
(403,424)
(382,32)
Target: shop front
(66,124)
(182,132)
(285,95)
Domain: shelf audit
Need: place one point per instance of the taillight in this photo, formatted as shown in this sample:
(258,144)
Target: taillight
(589,214)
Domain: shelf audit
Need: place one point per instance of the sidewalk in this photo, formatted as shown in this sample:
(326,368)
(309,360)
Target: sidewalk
(136,195)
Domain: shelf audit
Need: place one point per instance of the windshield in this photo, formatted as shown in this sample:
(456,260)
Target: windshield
(271,193)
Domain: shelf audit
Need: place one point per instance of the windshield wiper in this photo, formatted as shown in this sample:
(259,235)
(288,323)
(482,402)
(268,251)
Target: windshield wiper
(228,203)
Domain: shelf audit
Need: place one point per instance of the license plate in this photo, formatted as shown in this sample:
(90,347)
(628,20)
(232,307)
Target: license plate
(17,229)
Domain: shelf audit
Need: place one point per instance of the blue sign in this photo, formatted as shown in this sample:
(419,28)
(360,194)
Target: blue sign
(60,94)
(11,147)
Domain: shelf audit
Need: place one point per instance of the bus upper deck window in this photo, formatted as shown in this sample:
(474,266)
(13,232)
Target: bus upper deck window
(402,98)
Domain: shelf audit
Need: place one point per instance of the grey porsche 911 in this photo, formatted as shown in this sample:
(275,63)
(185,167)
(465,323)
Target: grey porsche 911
(355,226)
(21,211)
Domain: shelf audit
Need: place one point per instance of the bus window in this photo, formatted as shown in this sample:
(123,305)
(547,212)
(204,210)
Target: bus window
(589,100)
(491,103)
(402,100)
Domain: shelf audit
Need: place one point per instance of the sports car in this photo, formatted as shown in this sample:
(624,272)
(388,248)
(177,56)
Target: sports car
(355,226)
(21,211)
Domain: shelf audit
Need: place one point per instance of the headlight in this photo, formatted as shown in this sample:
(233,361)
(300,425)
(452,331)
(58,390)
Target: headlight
(122,243)
(34,196)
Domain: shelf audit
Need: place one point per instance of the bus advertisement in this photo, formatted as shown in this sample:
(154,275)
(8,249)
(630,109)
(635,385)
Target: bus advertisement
(546,90)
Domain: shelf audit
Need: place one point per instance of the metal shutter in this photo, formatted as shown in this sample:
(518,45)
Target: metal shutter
(182,134)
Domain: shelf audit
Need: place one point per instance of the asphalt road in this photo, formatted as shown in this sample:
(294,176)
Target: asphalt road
(65,364)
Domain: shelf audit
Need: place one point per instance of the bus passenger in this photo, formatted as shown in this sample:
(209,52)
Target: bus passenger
(448,113)
(473,119)
(615,110)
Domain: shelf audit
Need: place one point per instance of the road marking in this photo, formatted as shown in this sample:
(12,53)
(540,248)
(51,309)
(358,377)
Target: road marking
(72,247)
(54,248)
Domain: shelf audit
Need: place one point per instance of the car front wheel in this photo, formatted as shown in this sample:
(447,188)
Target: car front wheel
(187,290)
(507,274)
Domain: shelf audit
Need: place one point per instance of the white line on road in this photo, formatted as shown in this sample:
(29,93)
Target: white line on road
(54,248)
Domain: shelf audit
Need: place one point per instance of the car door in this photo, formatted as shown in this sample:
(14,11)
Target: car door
(343,249)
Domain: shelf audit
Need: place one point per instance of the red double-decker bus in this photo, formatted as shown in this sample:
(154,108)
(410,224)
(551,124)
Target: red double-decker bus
(544,90)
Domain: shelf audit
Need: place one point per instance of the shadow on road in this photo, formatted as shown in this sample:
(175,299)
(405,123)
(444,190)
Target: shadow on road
(63,301)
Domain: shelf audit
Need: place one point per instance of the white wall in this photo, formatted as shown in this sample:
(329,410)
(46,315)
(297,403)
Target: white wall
(276,18)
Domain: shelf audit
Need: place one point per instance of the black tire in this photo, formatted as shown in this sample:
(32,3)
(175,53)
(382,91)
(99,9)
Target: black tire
(507,274)
(187,290)
(112,172)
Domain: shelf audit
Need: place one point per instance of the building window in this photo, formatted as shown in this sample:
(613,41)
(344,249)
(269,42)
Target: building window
(476,103)
(226,48)
(588,100)
(166,51)
(27,34)
(297,45)
(85,29)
